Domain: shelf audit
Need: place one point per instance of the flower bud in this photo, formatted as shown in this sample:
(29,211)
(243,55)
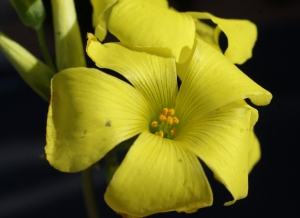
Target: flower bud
(68,44)
(35,73)
(31,12)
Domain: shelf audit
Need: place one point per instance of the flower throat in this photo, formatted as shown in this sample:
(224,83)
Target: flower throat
(165,126)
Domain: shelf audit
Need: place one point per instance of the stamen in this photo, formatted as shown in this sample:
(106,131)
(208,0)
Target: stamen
(165,111)
(170,120)
(154,124)
(160,133)
(171,112)
(162,117)
(175,120)
(165,125)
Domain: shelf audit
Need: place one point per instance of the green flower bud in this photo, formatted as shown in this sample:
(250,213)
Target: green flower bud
(31,12)
(35,73)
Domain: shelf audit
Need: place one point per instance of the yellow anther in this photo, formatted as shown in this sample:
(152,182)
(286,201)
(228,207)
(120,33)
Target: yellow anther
(162,117)
(170,120)
(160,133)
(164,126)
(171,112)
(154,124)
(175,120)
(165,111)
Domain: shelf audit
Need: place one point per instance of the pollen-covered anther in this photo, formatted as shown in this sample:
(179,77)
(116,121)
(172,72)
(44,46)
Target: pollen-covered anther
(165,111)
(154,124)
(171,112)
(175,120)
(165,125)
(160,133)
(162,117)
(170,120)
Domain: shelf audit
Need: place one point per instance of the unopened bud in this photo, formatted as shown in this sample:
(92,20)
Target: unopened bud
(35,73)
(68,44)
(31,12)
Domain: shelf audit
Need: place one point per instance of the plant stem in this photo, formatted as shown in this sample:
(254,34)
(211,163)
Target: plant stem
(111,164)
(43,47)
(89,194)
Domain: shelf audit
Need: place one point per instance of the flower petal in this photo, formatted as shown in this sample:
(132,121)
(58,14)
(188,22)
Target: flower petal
(212,81)
(157,29)
(241,35)
(98,8)
(254,151)
(90,112)
(155,77)
(158,175)
(254,112)
(101,13)
(208,34)
(254,146)
(221,140)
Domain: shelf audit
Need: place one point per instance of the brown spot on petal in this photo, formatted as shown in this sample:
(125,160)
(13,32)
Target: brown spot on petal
(108,124)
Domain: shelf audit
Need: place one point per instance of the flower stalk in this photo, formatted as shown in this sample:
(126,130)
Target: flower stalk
(32,14)
(111,165)
(89,193)
(42,42)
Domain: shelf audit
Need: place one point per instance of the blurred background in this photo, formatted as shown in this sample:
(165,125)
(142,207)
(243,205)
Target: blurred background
(29,187)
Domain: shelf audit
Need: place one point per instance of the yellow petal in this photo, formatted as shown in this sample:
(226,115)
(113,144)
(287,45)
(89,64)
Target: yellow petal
(160,3)
(34,72)
(153,27)
(212,81)
(254,146)
(241,35)
(101,14)
(254,151)
(90,112)
(68,44)
(153,76)
(98,8)
(221,140)
(208,34)
(158,175)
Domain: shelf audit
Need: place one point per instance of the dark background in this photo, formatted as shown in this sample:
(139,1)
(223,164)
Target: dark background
(29,187)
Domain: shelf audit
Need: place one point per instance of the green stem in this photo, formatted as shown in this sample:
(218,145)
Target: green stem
(111,164)
(43,47)
(89,194)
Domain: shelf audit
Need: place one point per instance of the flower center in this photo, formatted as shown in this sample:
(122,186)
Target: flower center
(165,126)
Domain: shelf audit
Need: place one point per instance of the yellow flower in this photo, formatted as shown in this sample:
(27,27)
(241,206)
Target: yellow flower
(91,112)
(150,25)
